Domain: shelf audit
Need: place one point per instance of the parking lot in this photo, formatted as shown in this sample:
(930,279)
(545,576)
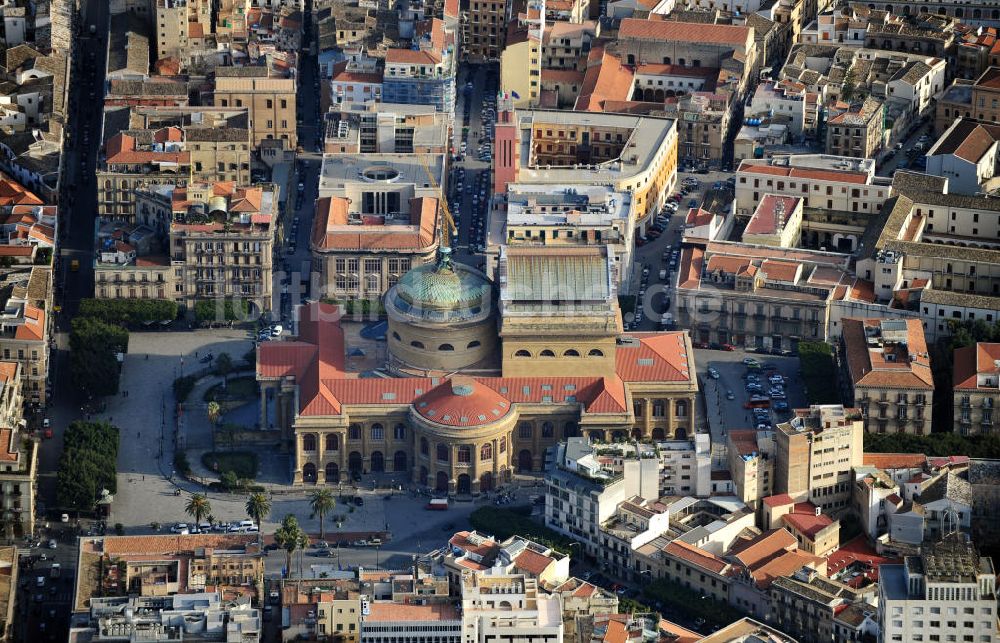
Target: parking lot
(723,413)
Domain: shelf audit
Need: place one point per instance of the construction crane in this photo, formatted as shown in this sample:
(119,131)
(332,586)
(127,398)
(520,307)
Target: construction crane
(448,223)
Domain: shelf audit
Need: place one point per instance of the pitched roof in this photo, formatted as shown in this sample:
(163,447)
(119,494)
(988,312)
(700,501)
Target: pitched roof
(659,357)
(333,228)
(887,363)
(971,361)
(803,518)
(403,613)
(841,176)
(172,544)
(606,78)
(894,460)
(532,562)
(696,556)
(670,30)
(412,57)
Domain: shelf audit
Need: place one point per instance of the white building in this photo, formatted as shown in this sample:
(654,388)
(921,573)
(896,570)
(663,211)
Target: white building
(782,98)
(581,494)
(966,154)
(385,622)
(947,593)
(497,606)
(202,616)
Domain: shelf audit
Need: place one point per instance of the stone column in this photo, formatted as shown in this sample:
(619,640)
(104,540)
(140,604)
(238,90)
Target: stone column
(496,460)
(670,429)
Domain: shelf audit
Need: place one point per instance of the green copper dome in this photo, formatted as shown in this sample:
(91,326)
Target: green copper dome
(442,291)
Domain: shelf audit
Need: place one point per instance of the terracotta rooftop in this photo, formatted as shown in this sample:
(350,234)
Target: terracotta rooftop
(803,519)
(669,30)
(887,363)
(532,562)
(771,214)
(381,611)
(695,556)
(894,460)
(333,229)
(803,173)
(778,500)
(173,544)
(971,361)
(412,57)
(606,78)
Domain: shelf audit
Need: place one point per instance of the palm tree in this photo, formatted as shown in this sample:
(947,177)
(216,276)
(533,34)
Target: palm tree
(198,507)
(290,537)
(321,502)
(258,507)
(214,412)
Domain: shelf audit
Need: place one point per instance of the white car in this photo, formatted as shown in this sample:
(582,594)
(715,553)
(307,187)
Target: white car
(179,527)
(276,330)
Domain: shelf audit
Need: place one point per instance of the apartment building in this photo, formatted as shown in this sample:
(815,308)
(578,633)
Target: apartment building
(966,154)
(762,296)
(18,479)
(976,382)
(581,494)
(420,77)
(857,131)
(485,30)
(814,531)
(889,372)
(521,59)
(191,243)
(805,604)
(130,165)
(217,619)
(269,101)
(322,607)
(566,45)
(816,452)
(497,605)
(162,566)
(372,226)
(24,329)
(634,523)
(822,182)
(978,99)
(947,590)
(751,458)
(11,401)
(636,154)
(383,128)
(387,622)
(703,127)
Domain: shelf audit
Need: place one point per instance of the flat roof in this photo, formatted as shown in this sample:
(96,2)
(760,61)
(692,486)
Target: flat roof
(648,135)
(529,204)
(340,169)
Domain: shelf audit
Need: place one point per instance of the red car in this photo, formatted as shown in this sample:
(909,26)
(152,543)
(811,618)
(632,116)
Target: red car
(700,344)
(728,347)
(47,434)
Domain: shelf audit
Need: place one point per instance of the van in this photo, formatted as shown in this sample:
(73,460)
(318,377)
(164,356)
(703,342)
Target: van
(247,524)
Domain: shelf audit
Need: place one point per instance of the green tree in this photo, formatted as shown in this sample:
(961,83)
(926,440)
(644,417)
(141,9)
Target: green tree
(321,502)
(129,312)
(258,508)
(290,537)
(198,507)
(87,465)
(223,366)
(230,480)
(94,347)
(221,310)
(214,412)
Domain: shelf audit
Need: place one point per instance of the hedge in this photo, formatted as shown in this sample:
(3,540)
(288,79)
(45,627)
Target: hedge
(129,311)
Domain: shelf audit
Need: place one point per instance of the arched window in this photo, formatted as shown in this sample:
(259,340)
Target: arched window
(416,344)
(571,353)
(596,352)
(681,408)
(547,430)
(442,453)
(399,432)
(465,454)
(486,452)
(524,430)
(372,282)
(354,432)
(503,444)
(332,442)
(308,442)
(378,432)
(107,184)
(424,448)
(396,336)
(474,344)
(522,353)
(546,353)
(446,347)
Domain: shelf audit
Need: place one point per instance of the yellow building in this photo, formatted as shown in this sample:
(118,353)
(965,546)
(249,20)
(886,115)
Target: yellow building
(977,373)
(270,102)
(471,419)
(521,59)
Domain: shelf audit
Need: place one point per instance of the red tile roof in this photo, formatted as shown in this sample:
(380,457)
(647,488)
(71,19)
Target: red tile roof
(532,562)
(13,193)
(33,328)
(771,214)
(803,519)
(332,229)
(173,544)
(778,500)
(970,361)
(891,365)
(403,613)
(803,173)
(658,357)
(8,445)
(692,261)
(412,57)
(606,78)
(695,556)
(462,402)
(671,30)
(894,460)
